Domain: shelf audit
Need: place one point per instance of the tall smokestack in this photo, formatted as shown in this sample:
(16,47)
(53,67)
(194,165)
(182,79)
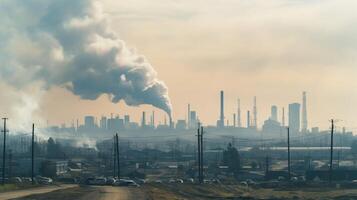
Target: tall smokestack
(238,115)
(221,119)
(304,114)
(255,113)
(188,116)
(143,120)
(153,119)
(248,119)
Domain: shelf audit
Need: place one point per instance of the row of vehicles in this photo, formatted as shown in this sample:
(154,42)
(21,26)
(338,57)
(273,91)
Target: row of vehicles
(189,180)
(112,181)
(25,180)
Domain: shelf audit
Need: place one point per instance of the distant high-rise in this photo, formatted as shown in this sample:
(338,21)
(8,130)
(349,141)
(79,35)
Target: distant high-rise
(304,114)
(193,119)
(274,113)
(89,122)
(103,123)
(220,123)
(294,117)
(239,123)
(153,119)
(283,117)
(255,123)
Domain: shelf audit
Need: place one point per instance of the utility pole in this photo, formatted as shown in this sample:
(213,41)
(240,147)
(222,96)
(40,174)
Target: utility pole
(289,154)
(32,154)
(331,150)
(114,157)
(117,150)
(201,154)
(4,151)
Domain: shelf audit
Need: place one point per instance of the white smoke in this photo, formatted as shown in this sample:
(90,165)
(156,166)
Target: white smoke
(70,43)
(21,107)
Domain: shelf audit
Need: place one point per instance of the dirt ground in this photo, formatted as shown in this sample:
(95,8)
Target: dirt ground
(90,193)
(33,190)
(197,192)
(194,192)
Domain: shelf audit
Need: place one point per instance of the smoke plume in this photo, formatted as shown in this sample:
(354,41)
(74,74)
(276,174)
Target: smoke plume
(70,43)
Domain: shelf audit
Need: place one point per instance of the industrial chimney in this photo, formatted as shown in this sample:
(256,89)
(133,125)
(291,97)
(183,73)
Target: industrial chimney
(221,119)
(143,120)
(304,114)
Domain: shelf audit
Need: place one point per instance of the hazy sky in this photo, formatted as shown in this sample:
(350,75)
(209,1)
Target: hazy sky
(270,49)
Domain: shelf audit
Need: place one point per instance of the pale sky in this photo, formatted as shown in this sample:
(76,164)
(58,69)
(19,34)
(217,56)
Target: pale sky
(270,49)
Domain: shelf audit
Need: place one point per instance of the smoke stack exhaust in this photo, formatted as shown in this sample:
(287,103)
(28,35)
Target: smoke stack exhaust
(73,46)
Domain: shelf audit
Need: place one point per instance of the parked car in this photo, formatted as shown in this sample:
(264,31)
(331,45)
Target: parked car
(251,182)
(243,184)
(26,179)
(158,181)
(216,181)
(179,181)
(281,178)
(44,180)
(110,181)
(140,181)
(100,181)
(90,181)
(125,182)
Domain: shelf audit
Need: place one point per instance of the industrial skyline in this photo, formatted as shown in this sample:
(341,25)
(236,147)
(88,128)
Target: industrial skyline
(297,119)
(249,59)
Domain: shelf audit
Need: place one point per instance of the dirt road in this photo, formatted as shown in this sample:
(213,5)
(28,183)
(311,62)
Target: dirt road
(90,192)
(40,190)
(120,193)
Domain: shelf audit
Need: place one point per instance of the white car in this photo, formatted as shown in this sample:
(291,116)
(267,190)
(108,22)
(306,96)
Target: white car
(44,180)
(125,182)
